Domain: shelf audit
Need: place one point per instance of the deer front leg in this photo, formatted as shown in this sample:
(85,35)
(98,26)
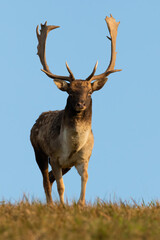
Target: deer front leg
(82,170)
(57,172)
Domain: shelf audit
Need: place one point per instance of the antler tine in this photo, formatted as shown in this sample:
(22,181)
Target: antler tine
(93,72)
(112,27)
(42,51)
(70,72)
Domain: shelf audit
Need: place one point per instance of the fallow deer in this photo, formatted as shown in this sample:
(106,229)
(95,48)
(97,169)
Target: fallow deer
(64,138)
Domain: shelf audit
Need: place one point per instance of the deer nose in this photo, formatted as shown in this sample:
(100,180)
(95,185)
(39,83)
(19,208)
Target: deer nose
(81,104)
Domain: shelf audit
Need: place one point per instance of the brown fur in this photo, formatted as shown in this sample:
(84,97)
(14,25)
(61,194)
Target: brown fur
(64,138)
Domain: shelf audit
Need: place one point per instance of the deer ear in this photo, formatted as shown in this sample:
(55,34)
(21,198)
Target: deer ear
(98,84)
(62,85)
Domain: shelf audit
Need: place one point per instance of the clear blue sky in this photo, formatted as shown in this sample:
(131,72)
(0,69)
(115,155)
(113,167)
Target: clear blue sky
(125,162)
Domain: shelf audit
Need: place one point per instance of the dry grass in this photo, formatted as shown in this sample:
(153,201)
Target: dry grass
(37,221)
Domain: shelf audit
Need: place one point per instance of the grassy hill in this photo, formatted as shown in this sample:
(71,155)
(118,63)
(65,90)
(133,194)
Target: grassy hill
(37,221)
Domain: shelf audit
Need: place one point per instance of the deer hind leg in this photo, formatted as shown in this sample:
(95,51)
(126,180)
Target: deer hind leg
(82,170)
(52,178)
(42,161)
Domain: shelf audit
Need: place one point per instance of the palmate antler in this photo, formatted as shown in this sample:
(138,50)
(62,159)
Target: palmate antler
(42,52)
(112,26)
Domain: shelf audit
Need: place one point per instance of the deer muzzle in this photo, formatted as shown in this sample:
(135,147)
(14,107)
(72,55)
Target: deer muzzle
(81,105)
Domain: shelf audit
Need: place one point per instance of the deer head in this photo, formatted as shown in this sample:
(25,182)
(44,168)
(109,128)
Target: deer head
(79,90)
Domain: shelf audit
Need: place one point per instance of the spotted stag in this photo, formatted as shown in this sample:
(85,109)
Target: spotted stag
(64,138)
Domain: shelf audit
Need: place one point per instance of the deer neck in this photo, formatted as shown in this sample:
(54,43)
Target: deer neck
(75,130)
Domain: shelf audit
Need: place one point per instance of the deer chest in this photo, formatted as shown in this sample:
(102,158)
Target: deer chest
(72,141)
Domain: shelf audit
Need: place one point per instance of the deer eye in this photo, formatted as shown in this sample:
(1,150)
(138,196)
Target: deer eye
(71,94)
(90,92)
